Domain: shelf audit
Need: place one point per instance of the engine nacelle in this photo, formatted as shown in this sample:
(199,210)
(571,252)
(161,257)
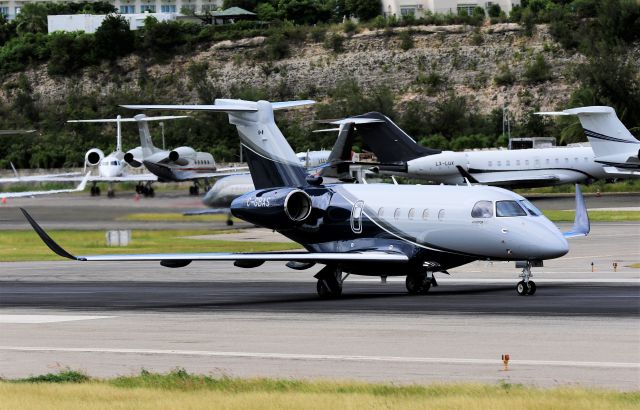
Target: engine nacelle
(181,155)
(273,207)
(93,156)
(134,157)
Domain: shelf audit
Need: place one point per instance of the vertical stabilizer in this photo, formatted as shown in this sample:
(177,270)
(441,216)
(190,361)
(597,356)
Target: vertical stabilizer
(340,156)
(118,133)
(271,159)
(606,133)
(145,136)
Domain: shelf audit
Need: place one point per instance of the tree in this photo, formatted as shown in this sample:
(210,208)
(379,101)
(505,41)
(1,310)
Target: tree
(249,5)
(364,9)
(114,38)
(494,10)
(32,19)
(266,12)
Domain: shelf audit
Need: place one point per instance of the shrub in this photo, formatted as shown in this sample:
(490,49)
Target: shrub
(538,70)
(505,76)
(406,40)
(335,42)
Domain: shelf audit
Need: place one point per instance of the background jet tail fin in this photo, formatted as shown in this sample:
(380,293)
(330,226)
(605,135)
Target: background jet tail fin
(581,224)
(146,144)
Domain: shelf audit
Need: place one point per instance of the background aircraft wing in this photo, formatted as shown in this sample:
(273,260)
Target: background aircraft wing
(77,176)
(180,260)
(80,187)
(91,178)
(509,178)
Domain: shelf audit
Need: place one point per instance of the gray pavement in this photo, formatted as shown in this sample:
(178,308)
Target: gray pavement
(581,327)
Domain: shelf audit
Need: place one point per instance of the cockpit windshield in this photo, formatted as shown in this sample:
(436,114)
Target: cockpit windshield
(509,208)
(531,208)
(482,209)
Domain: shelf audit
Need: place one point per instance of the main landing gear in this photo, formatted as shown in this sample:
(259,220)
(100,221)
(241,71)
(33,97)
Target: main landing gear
(194,190)
(95,189)
(330,281)
(146,190)
(526,287)
(419,283)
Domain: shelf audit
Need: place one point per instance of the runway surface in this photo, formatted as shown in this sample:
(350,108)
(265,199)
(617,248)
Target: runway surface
(581,327)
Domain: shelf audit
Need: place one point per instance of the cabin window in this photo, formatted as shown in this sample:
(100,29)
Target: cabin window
(509,208)
(586,159)
(576,159)
(518,162)
(490,163)
(425,214)
(499,163)
(114,162)
(508,163)
(441,215)
(566,160)
(381,212)
(526,162)
(531,208)
(412,213)
(537,162)
(547,161)
(557,161)
(482,209)
(396,214)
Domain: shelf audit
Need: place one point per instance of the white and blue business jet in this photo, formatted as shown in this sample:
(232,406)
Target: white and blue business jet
(374,229)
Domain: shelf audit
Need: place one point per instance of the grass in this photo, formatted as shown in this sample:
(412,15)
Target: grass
(18,246)
(635,265)
(178,389)
(594,216)
(171,217)
(629,185)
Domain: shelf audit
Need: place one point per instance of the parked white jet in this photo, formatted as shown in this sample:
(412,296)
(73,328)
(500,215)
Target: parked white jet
(374,229)
(613,145)
(179,164)
(399,154)
(81,186)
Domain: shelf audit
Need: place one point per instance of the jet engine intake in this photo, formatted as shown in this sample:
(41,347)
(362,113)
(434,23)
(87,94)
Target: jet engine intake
(93,156)
(274,207)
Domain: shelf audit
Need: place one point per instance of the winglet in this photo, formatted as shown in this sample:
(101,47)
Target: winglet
(83,184)
(46,238)
(581,224)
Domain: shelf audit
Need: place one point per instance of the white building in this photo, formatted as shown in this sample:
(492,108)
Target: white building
(90,22)
(12,7)
(419,8)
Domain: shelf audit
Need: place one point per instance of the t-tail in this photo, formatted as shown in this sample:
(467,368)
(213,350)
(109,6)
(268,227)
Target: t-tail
(272,161)
(611,141)
(385,139)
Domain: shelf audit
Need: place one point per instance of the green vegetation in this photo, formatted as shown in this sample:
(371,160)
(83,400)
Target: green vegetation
(179,389)
(18,246)
(594,216)
(169,217)
(635,265)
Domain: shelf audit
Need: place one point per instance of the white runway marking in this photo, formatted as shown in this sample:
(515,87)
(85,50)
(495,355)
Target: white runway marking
(32,319)
(326,357)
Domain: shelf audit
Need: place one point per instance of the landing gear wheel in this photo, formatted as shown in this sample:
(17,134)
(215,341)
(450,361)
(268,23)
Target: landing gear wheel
(152,193)
(418,284)
(532,288)
(93,191)
(329,284)
(97,191)
(111,193)
(229,222)
(522,289)
(326,292)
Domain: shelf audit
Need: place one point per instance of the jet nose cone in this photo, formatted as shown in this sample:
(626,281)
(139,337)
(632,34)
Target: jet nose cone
(553,247)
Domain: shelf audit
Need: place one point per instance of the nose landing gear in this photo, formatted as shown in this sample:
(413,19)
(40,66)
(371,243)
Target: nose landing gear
(526,287)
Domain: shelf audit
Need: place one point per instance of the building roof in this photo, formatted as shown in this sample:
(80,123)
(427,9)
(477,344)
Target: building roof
(233,12)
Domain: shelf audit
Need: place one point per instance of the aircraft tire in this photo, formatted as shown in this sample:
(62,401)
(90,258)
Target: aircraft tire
(418,284)
(152,193)
(229,222)
(326,291)
(522,289)
(111,194)
(97,191)
(532,288)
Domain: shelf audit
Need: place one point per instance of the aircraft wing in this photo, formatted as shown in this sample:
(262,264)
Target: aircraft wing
(80,187)
(208,211)
(91,178)
(44,178)
(180,260)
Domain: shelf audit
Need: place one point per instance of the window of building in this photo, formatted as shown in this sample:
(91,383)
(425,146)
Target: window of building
(168,8)
(151,8)
(127,9)
(407,11)
(18,10)
(189,7)
(4,11)
(208,7)
(425,214)
(482,209)
(466,9)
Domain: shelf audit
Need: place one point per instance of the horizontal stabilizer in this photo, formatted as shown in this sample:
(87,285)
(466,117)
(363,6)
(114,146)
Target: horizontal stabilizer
(158,118)
(178,259)
(355,120)
(223,105)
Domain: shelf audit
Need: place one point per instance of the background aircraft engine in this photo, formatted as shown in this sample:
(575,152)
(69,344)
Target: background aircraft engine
(273,207)
(93,156)
(132,157)
(181,155)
